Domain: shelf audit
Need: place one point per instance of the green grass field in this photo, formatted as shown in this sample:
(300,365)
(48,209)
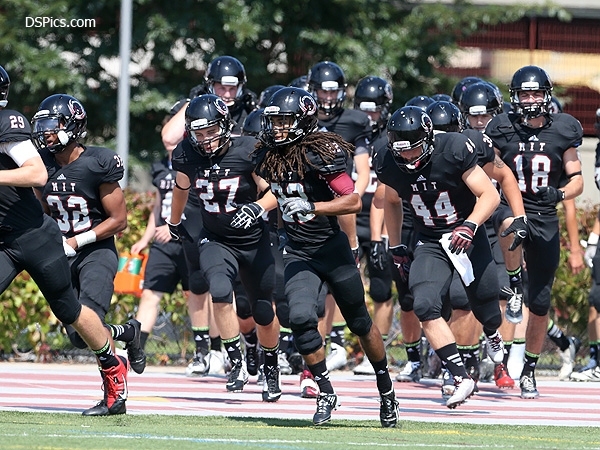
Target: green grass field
(141,432)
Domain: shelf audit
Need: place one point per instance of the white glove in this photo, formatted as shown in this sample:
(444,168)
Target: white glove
(69,251)
(590,249)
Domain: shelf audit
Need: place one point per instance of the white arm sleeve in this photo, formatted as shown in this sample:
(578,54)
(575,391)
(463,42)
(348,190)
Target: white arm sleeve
(19,151)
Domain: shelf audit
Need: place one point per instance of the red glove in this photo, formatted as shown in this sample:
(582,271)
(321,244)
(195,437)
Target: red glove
(462,237)
(401,260)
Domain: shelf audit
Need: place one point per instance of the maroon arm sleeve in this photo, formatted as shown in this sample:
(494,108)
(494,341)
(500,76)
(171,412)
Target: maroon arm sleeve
(340,183)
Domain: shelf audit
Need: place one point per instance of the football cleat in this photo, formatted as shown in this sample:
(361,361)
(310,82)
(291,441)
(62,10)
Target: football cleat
(448,387)
(567,357)
(198,367)
(114,383)
(271,386)
(308,386)
(135,352)
(502,378)
(252,359)
(528,387)
(326,404)
(587,375)
(389,410)
(364,368)
(238,377)
(514,304)
(464,388)
(284,366)
(495,347)
(337,357)
(410,373)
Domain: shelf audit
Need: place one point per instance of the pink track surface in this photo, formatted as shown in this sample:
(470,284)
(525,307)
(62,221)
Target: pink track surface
(166,390)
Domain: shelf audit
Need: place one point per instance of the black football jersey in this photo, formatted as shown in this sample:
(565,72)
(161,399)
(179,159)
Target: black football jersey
(163,178)
(19,208)
(72,191)
(222,183)
(309,230)
(438,197)
(535,155)
(483,146)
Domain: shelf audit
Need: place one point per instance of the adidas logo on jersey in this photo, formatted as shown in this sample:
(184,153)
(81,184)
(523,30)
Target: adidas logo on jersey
(421,178)
(61,177)
(533,138)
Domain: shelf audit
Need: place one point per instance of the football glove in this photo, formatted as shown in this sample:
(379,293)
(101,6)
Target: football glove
(519,228)
(550,196)
(590,249)
(297,205)
(247,215)
(378,255)
(401,260)
(462,237)
(69,251)
(178,232)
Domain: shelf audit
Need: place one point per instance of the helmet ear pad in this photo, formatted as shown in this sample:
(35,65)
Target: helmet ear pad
(63,137)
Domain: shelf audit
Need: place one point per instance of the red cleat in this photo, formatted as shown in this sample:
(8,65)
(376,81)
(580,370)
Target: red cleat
(308,385)
(503,379)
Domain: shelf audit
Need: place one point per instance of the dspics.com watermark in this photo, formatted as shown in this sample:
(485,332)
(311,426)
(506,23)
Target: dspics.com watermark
(58,22)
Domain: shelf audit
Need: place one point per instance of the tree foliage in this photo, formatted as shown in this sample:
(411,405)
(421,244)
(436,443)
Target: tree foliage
(172,42)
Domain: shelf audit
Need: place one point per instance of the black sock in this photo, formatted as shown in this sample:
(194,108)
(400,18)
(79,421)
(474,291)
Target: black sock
(557,336)
(143,338)
(251,338)
(449,354)
(201,339)
(123,333)
(321,374)
(594,350)
(106,356)
(507,346)
(382,375)
(515,277)
(337,334)
(270,356)
(285,336)
(531,360)
(216,343)
(413,351)
(234,350)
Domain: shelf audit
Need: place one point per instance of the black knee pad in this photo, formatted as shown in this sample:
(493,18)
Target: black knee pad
(263,312)
(221,289)
(594,296)
(76,340)
(307,341)
(379,290)
(282,310)
(197,283)
(488,314)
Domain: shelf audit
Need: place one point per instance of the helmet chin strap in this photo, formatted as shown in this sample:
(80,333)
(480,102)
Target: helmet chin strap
(3,103)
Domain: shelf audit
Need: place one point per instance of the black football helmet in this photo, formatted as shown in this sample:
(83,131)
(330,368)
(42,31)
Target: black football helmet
(299,106)
(442,98)
(4,85)
(300,82)
(481,98)
(266,94)
(228,71)
(531,78)
(445,116)
(328,76)
(374,94)
(460,87)
(206,111)
(408,128)
(59,114)
(251,125)
(420,101)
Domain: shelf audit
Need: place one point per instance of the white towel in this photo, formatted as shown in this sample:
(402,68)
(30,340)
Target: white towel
(461,261)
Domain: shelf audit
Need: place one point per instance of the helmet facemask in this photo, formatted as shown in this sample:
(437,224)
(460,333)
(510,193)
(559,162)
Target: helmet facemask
(206,146)
(44,125)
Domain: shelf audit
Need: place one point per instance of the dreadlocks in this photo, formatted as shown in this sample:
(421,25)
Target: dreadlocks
(276,164)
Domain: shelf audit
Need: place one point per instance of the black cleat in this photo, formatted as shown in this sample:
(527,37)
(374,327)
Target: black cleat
(326,404)
(271,387)
(135,352)
(252,360)
(389,410)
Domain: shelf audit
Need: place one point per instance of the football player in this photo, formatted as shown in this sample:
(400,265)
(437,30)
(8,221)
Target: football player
(540,148)
(307,172)
(218,170)
(32,241)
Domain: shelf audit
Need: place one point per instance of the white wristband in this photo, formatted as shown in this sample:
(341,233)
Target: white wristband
(593,239)
(85,238)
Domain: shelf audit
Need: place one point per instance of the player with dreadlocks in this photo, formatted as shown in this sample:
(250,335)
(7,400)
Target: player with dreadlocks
(307,173)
